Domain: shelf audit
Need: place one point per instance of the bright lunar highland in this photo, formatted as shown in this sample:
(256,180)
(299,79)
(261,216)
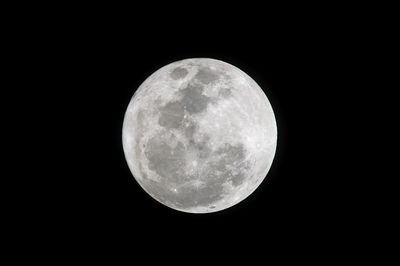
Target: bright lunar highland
(199,135)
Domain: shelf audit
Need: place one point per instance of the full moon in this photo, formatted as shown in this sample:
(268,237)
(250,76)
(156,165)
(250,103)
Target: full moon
(199,135)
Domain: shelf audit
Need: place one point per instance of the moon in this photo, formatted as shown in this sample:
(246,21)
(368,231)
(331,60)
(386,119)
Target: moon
(199,135)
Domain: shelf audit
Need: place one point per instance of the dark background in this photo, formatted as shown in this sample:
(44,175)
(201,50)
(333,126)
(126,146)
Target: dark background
(305,63)
(299,195)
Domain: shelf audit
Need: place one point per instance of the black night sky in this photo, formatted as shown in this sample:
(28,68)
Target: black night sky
(97,62)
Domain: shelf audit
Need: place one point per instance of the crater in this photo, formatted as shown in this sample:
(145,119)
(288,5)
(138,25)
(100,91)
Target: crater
(179,73)
(206,75)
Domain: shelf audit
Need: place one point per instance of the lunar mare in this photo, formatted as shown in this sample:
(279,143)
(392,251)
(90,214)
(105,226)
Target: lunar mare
(199,135)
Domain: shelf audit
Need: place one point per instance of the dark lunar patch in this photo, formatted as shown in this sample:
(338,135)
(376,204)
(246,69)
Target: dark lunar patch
(206,75)
(168,162)
(237,179)
(179,73)
(193,100)
(190,130)
(225,92)
(203,150)
(164,160)
(171,115)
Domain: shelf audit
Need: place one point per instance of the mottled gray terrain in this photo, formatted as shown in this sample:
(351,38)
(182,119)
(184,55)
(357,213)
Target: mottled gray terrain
(178,161)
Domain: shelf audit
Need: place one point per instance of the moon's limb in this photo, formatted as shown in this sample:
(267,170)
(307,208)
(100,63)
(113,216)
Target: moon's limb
(199,135)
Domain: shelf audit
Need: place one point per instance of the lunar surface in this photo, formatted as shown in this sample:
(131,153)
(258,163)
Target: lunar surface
(199,135)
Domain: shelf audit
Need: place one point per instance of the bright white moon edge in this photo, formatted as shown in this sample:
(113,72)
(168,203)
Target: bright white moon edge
(199,135)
